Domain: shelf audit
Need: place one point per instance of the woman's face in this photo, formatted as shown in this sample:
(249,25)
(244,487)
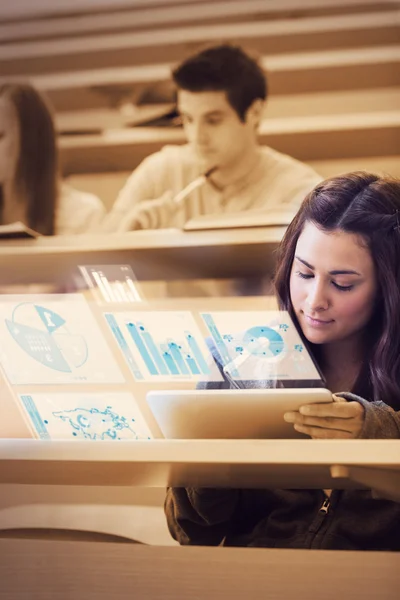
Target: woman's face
(9,140)
(333,285)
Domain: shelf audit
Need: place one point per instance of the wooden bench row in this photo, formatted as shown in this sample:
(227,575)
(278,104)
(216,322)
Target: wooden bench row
(296,105)
(22,11)
(301,73)
(149,47)
(133,18)
(306,138)
(334,75)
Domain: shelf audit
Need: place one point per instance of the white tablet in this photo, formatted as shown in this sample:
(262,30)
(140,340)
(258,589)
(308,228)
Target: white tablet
(230,414)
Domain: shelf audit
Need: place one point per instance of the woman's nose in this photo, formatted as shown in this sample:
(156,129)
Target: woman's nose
(317,298)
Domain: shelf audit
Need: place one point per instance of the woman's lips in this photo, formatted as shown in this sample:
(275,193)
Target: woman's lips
(317,322)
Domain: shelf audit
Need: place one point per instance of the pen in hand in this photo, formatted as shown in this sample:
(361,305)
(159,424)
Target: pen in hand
(159,213)
(193,185)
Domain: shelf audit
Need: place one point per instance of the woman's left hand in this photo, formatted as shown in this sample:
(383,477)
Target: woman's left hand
(336,420)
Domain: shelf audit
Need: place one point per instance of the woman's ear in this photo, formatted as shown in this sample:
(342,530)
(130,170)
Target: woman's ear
(255,112)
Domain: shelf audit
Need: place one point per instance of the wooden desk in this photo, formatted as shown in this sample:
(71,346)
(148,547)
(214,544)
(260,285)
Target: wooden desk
(118,488)
(148,47)
(165,254)
(299,464)
(61,570)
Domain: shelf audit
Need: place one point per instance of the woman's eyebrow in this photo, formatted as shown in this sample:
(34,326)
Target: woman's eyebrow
(335,272)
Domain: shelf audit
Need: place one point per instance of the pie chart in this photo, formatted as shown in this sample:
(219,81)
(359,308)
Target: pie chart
(263,342)
(44,335)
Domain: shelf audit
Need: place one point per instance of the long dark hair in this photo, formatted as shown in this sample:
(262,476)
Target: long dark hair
(36,172)
(367,205)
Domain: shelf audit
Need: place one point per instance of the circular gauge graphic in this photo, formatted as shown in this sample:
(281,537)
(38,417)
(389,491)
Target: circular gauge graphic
(263,342)
(44,335)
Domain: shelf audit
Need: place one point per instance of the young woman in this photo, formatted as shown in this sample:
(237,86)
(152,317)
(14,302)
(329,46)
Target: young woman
(338,275)
(30,190)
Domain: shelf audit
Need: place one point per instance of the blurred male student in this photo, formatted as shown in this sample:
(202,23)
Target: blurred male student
(221,94)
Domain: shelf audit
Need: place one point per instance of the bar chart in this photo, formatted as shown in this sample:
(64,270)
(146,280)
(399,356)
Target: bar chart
(111,283)
(163,346)
(169,357)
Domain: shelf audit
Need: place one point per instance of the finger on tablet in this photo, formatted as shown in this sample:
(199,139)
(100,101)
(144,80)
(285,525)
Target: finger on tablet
(338,398)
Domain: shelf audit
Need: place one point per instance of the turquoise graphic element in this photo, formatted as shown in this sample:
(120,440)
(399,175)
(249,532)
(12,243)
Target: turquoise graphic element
(197,353)
(176,352)
(137,338)
(168,356)
(246,355)
(39,345)
(51,320)
(192,365)
(54,346)
(96,424)
(220,344)
(111,320)
(37,421)
(152,348)
(73,348)
(263,342)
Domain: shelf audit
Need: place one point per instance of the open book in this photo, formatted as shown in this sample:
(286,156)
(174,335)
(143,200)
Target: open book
(247,218)
(17,230)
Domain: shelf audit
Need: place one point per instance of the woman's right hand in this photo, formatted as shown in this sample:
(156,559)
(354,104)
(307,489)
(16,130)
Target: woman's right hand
(336,420)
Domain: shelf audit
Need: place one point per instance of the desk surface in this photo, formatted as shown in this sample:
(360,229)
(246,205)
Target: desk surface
(66,569)
(162,254)
(207,463)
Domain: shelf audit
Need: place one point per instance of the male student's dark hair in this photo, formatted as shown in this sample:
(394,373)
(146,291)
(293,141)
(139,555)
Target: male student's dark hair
(225,68)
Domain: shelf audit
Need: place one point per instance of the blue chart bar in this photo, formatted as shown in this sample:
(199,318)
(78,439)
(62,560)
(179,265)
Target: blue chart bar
(36,418)
(192,365)
(177,356)
(166,358)
(142,348)
(197,353)
(124,346)
(219,342)
(173,369)
(154,351)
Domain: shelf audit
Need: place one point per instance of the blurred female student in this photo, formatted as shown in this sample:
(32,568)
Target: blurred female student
(30,188)
(338,275)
